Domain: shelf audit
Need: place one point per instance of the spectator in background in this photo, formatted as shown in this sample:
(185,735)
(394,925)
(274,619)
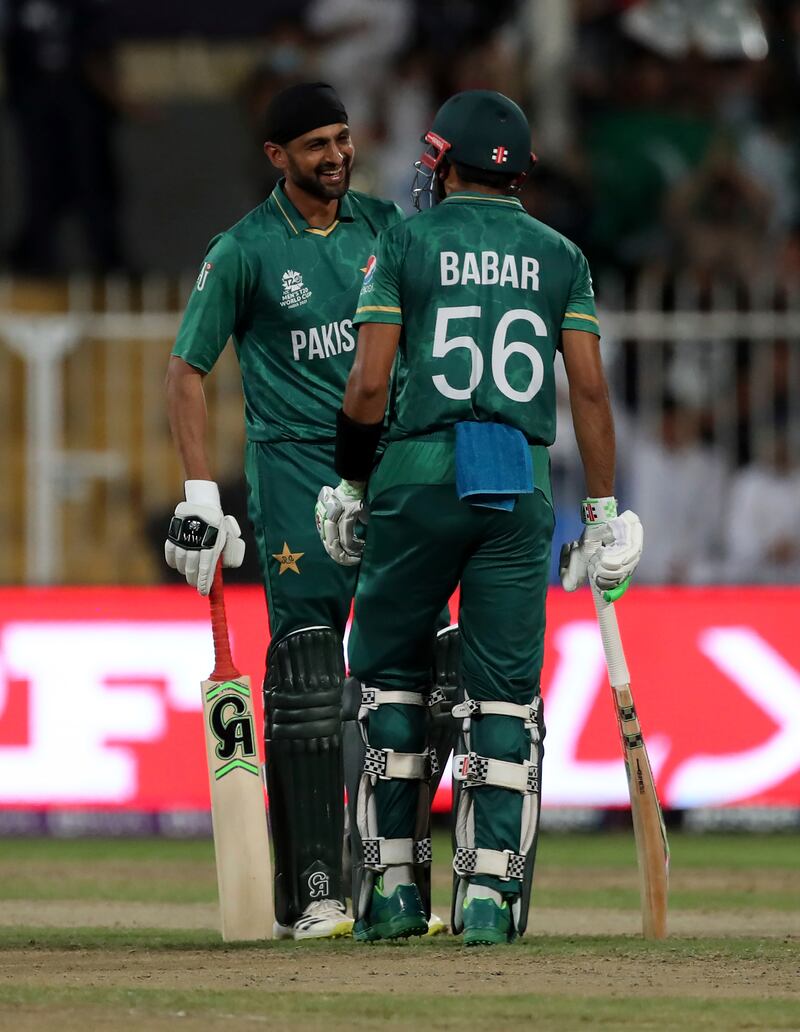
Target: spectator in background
(359,40)
(287,58)
(680,483)
(718,218)
(762,542)
(64,98)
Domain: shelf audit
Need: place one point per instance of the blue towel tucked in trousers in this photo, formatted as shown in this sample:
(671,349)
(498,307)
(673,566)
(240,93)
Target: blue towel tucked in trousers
(493,464)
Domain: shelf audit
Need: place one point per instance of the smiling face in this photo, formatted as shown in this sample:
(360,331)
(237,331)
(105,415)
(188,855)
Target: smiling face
(318,162)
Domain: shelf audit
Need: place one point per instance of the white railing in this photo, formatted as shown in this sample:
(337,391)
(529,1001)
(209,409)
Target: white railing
(85,447)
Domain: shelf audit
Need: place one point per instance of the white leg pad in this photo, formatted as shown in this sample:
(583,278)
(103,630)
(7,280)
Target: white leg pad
(471,771)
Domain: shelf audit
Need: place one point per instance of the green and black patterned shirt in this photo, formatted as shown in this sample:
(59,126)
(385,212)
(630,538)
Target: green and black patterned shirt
(286,293)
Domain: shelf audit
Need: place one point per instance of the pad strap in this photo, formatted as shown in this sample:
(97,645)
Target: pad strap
(380,853)
(436,698)
(386,764)
(476,770)
(503,864)
(371,698)
(474,708)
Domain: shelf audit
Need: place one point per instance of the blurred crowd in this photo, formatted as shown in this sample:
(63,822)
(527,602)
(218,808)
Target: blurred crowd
(679,167)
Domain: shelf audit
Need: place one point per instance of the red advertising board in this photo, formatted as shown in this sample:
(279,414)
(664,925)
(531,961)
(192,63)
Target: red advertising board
(100,696)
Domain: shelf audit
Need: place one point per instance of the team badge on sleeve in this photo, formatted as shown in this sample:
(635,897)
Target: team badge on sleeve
(204,271)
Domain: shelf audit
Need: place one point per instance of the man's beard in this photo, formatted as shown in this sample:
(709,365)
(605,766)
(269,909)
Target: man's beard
(316,186)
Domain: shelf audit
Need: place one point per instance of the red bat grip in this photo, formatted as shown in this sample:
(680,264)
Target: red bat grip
(224,667)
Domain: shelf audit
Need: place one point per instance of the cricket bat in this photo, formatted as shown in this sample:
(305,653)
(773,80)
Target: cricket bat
(652,848)
(238,810)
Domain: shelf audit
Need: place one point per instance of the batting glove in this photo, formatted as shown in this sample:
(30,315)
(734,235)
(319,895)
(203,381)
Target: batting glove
(337,513)
(614,562)
(199,533)
(608,550)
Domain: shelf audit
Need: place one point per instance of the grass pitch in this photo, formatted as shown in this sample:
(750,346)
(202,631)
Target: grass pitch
(96,934)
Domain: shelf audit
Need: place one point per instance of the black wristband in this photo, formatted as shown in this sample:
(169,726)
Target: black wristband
(356,444)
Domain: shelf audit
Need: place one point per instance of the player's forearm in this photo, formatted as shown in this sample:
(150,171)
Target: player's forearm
(365,402)
(186,408)
(594,431)
(368,385)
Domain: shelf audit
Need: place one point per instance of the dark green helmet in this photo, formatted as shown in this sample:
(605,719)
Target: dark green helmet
(479,128)
(485,130)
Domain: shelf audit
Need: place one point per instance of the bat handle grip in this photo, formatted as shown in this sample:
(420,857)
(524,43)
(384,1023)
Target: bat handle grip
(224,667)
(612,643)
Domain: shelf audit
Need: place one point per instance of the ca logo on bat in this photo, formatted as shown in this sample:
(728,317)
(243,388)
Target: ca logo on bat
(232,726)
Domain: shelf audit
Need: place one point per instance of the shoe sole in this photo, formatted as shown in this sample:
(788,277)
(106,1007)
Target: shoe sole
(484,938)
(288,933)
(339,931)
(403,928)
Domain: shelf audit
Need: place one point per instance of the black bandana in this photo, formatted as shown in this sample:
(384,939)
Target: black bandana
(301,108)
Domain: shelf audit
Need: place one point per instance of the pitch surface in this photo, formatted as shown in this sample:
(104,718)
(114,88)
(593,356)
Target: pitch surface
(120,933)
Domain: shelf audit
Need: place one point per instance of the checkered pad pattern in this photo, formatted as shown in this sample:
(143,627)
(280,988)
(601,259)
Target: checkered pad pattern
(477,769)
(372,853)
(436,698)
(423,851)
(375,761)
(465,863)
(516,865)
(533,779)
(433,762)
(369,696)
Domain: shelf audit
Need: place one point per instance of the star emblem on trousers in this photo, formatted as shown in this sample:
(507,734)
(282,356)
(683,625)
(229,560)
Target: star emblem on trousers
(287,559)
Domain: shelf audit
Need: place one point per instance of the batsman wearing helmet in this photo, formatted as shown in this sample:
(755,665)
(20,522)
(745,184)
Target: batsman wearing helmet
(283,283)
(470,303)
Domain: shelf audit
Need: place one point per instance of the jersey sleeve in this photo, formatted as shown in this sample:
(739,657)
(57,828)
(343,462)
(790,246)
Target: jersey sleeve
(580,313)
(215,304)
(379,300)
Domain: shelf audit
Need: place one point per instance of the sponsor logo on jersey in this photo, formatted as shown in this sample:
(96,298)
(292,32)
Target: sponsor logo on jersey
(295,292)
(500,155)
(372,261)
(204,271)
(323,341)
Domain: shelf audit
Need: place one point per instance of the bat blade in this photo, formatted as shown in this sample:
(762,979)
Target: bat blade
(238,812)
(652,847)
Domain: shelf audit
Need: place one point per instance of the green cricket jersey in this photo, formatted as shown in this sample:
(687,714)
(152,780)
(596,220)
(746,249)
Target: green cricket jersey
(482,291)
(285,292)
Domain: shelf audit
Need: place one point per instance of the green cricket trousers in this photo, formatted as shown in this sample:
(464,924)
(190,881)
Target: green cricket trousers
(421,543)
(304,586)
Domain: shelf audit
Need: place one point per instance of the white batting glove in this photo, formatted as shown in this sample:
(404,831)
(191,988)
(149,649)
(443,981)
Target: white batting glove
(608,550)
(337,512)
(618,556)
(199,533)
(573,565)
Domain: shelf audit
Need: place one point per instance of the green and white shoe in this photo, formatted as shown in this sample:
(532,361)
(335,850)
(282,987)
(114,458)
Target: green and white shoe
(486,923)
(396,916)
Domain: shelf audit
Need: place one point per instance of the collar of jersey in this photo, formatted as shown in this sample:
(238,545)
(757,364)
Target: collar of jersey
(296,224)
(468,196)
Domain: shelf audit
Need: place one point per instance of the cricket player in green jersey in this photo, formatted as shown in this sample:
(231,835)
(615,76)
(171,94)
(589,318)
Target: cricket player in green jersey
(469,303)
(283,283)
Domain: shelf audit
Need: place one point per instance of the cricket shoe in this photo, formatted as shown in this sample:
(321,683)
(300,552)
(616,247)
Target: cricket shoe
(322,919)
(397,916)
(436,926)
(486,923)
